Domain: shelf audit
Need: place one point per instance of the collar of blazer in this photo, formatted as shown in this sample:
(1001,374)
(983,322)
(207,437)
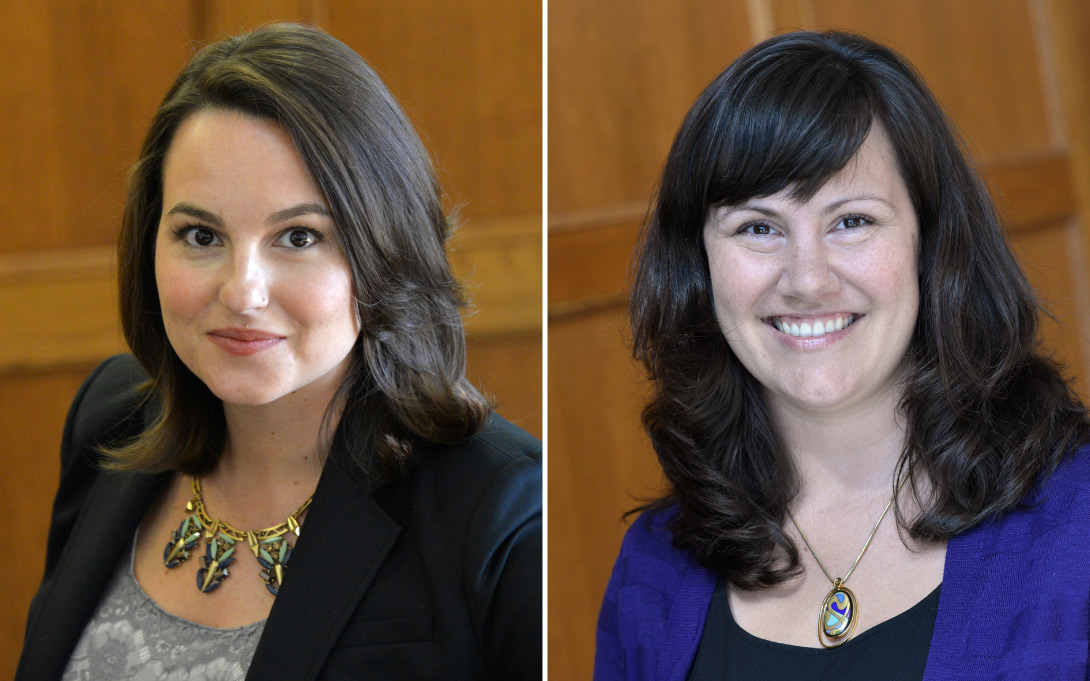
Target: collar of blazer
(318,597)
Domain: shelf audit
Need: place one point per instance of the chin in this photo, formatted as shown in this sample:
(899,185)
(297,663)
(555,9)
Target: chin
(250,387)
(247,397)
(829,399)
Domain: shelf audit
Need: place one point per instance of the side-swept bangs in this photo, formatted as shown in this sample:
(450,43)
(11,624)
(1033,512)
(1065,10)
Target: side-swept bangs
(793,126)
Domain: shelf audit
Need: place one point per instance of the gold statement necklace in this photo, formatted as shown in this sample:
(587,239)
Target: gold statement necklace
(840,610)
(270,545)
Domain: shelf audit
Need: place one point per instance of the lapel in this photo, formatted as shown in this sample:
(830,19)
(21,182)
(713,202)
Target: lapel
(345,538)
(100,538)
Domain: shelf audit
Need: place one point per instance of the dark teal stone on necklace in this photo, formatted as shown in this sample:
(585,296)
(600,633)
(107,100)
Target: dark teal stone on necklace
(182,542)
(219,554)
(273,555)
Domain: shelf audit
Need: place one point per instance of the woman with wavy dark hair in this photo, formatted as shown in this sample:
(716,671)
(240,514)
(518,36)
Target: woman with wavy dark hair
(298,364)
(838,335)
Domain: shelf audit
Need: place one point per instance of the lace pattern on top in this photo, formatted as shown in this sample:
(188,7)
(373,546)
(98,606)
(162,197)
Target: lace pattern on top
(131,638)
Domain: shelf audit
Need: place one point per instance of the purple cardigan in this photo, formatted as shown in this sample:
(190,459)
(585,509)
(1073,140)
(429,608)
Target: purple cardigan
(1015,599)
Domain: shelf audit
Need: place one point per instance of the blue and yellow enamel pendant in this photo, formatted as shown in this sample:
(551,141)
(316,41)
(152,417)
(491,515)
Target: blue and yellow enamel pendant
(838,616)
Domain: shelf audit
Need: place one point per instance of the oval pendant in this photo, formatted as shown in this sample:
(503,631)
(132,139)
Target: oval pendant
(838,616)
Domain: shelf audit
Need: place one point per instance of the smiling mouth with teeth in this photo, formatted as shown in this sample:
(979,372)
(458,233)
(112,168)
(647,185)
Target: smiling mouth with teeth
(818,327)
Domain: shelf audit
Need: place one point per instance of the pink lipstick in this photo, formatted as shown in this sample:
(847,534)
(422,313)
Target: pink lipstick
(243,342)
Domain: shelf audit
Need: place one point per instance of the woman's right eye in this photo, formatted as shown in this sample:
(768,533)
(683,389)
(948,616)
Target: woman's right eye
(756,229)
(199,237)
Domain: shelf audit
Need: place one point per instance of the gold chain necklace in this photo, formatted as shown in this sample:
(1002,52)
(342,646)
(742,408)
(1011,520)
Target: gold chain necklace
(840,610)
(270,545)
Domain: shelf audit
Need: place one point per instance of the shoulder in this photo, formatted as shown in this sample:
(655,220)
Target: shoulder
(498,443)
(107,407)
(507,440)
(1029,570)
(106,410)
(1058,500)
(501,456)
(470,543)
(655,604)
(1071,477)
(1050,525)
(1053,516)
(648,552)
(487,484)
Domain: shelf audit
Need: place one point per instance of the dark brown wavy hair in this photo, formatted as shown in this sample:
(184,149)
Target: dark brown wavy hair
(406,383)
(987,414)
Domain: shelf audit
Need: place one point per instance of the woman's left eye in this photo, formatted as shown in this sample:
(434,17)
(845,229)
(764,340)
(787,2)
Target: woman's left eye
(299,238)
(854,222)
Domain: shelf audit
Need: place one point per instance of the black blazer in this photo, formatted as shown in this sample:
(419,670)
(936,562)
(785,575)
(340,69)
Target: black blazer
(435,576)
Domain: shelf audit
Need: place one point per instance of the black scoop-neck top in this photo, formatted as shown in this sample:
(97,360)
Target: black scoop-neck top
(895,650)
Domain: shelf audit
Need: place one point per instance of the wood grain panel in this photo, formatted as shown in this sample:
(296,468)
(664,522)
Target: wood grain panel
(621,76)
(590,253)
(499,263)
(60,309)
(978,56)
(509,369)
(78,85)
(218,19)
(589,267)
(1052,266)
(468,74)
(1066,33)
(1032,191)
(600,465)
(30,428)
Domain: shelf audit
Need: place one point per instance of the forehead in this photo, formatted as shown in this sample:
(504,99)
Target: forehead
(216,152)
(874,162)
(873,170)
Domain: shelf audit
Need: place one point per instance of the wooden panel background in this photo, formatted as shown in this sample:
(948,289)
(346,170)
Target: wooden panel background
(1013,74)
(80,82)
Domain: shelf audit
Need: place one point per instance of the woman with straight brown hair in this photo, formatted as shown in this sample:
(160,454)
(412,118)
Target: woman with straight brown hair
(291,477)
(874,471)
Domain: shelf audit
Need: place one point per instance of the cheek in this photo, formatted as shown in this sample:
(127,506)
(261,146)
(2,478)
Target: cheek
(737,284)
(898,278)
(182,294)
(325,304)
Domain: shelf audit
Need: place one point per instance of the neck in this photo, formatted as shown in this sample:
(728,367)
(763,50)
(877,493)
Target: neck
(853,451)
(272,461)
(273,441)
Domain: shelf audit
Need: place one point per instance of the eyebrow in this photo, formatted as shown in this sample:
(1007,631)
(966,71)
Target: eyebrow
(194,212)
(829,208)
(279,216)
(297,211)
(837,204)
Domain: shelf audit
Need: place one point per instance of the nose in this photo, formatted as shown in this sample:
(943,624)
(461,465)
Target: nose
(245,282)
(808,274)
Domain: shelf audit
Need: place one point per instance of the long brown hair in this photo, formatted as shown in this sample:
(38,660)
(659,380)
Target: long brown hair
(407,379)
(987,414)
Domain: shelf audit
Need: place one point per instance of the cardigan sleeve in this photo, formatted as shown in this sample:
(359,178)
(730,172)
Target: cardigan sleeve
(608,660)
(654,608)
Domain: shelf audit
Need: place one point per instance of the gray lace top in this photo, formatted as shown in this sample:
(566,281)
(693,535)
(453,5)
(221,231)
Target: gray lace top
(131,638)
